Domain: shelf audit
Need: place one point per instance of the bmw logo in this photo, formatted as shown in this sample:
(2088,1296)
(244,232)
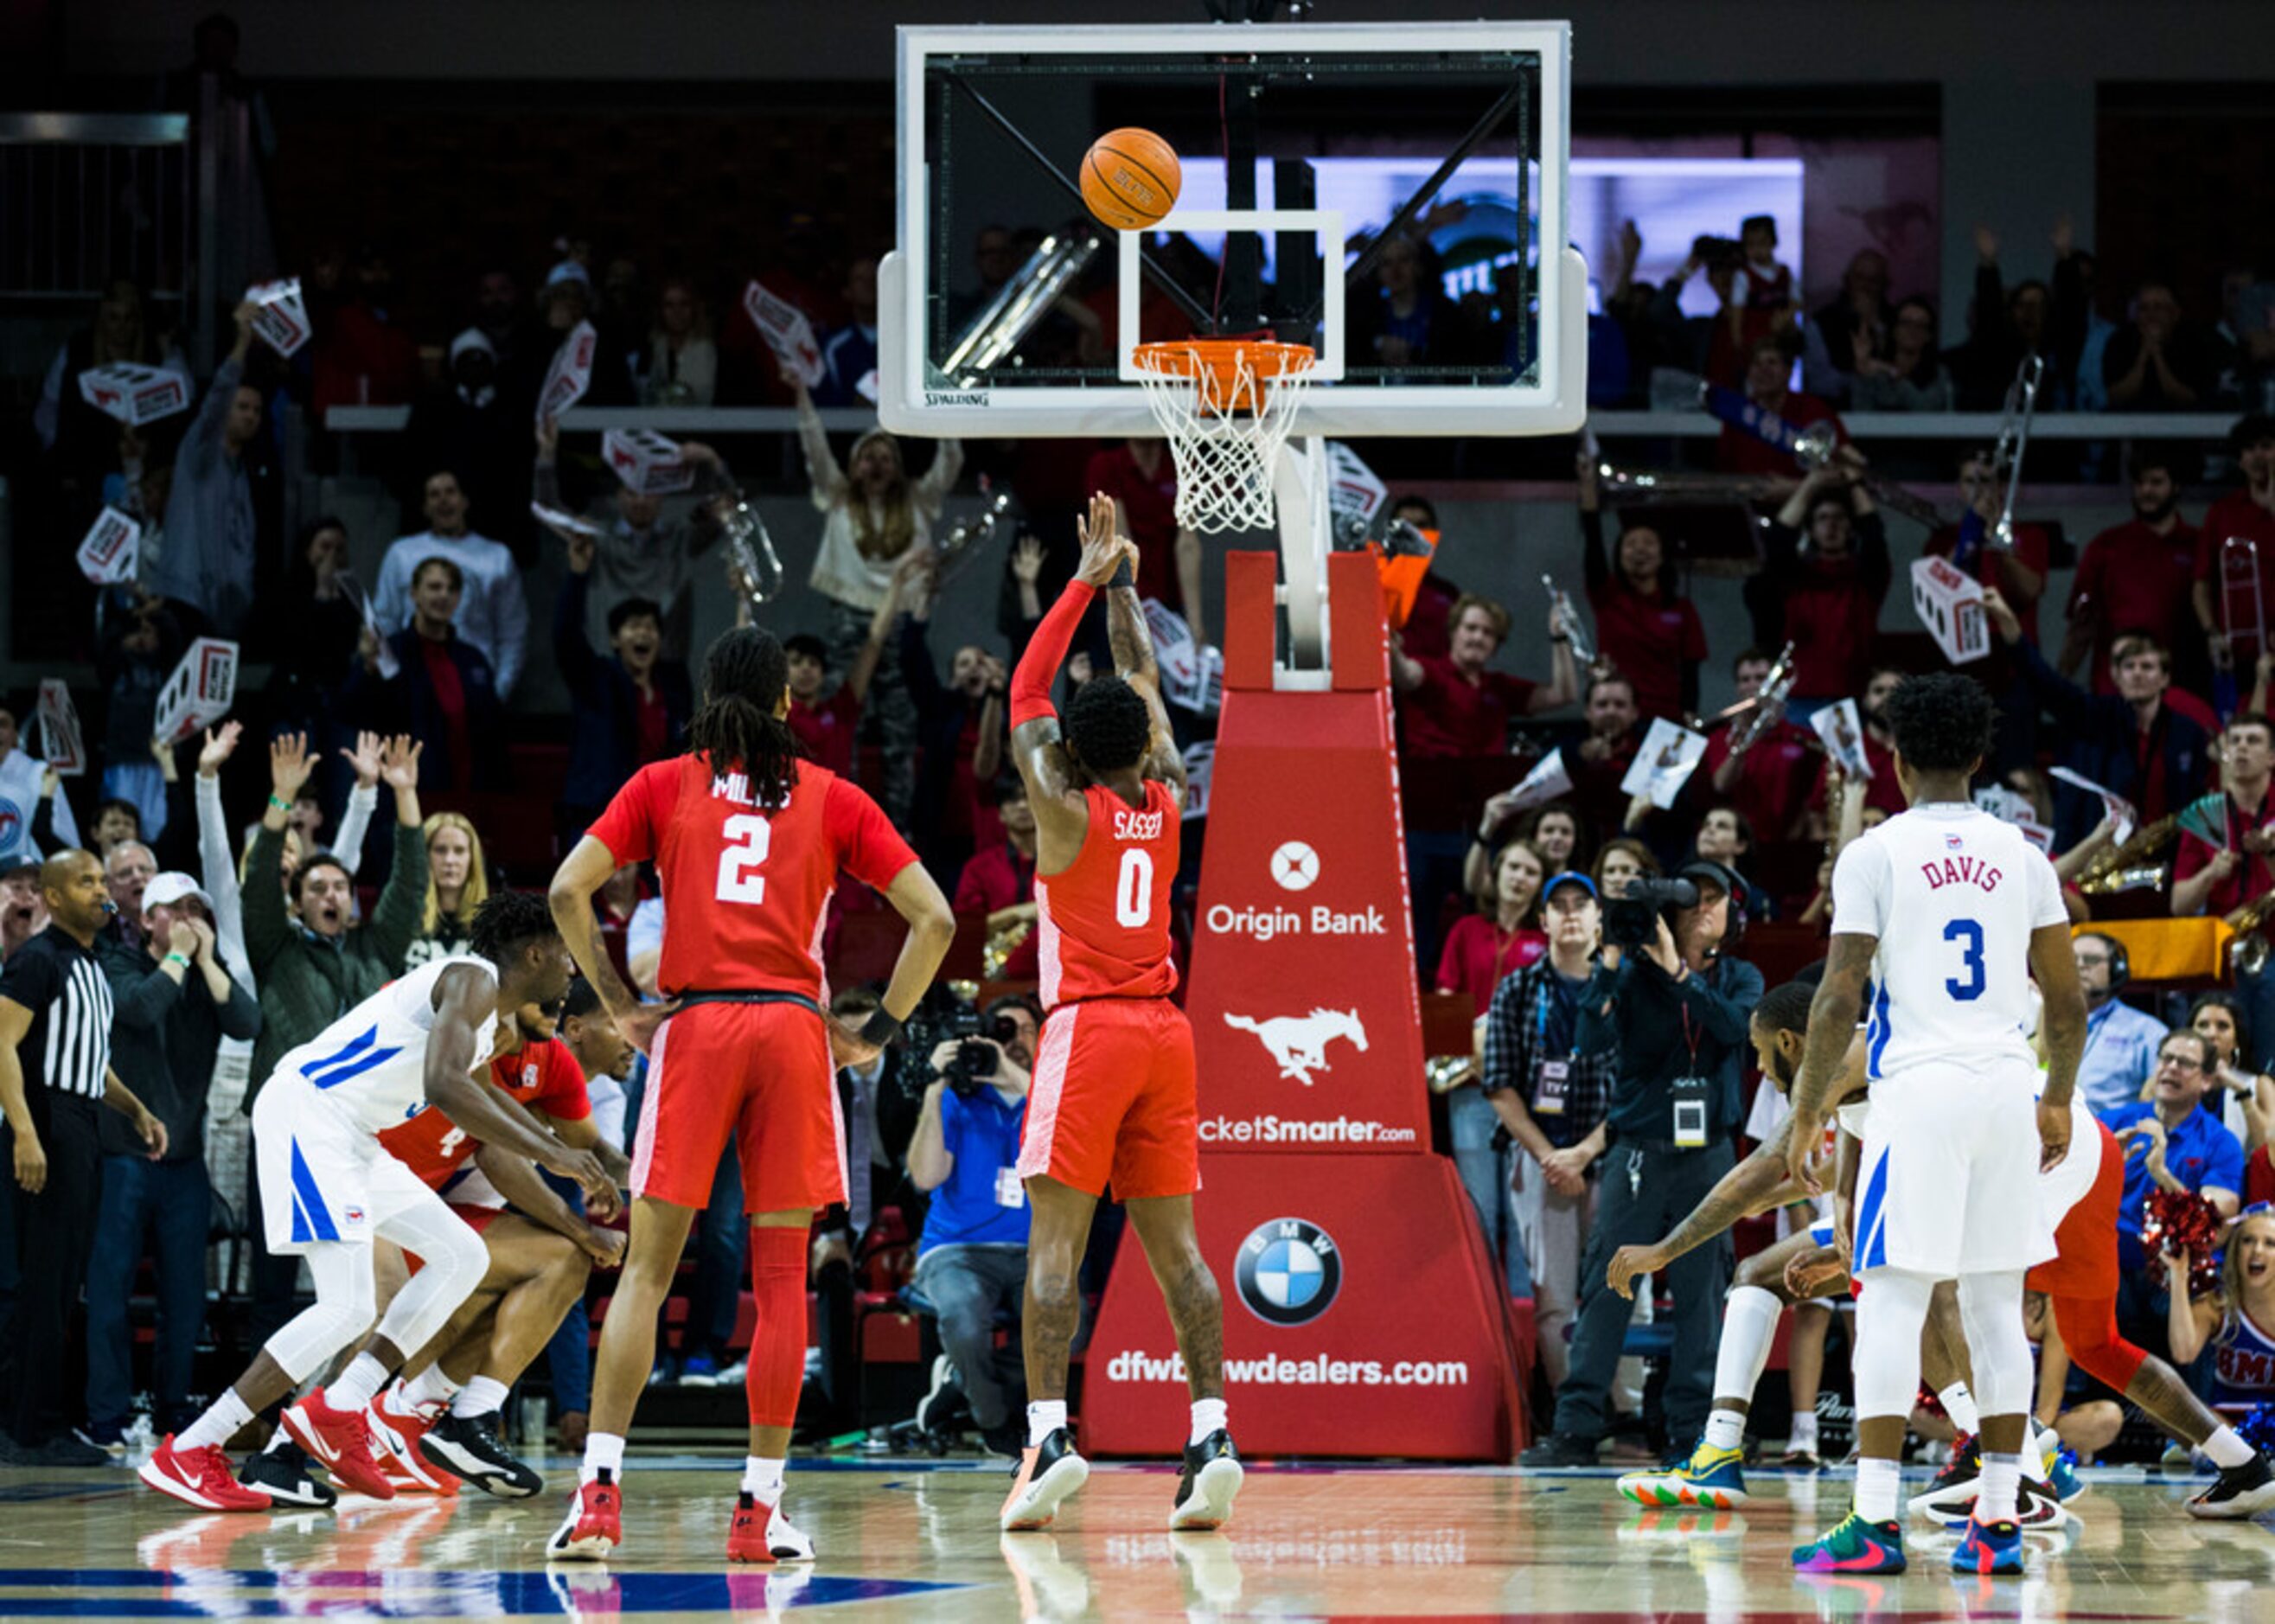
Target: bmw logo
(1288,1271)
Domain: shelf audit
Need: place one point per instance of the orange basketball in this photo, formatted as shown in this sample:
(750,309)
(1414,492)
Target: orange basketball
(1130,179)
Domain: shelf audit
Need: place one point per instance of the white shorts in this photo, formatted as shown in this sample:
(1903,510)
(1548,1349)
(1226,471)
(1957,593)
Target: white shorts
(1948,1184)
(323,1177)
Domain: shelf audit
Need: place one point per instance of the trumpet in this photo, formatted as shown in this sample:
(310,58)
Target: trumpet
(2014,439)
(1818,445)
(1001,945)
(1568,621)
(2129,867)
(1754,715)
(750,549)
(998,330)
(2239,586)
(2247,955)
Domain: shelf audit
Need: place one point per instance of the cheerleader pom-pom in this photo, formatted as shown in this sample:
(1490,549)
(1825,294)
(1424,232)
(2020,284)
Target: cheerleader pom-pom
(2181,1221)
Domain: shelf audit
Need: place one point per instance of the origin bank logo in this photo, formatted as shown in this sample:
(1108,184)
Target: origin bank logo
(1288,1271)
(1295,866)
(1298,1043)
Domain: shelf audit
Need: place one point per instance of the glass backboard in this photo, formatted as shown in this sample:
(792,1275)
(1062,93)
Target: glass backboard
(1420,172)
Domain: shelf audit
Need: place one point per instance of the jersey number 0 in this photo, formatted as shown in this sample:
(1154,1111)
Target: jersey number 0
(750,838)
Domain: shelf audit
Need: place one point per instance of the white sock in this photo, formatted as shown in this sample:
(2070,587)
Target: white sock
(1879,1485)
(2227,1448)
(2002,1480)
(2039,1447)
(1045,1417)
(221,1421)
(1208,1417)
(603,1452)
(762,1478)
(429,1386)
(1749,1322)
(479,1397)
(1959,1404)
(358,1384)
(1802,1433)
(1726,1429)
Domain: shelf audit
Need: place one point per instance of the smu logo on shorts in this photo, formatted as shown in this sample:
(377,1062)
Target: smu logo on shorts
(1289,1272)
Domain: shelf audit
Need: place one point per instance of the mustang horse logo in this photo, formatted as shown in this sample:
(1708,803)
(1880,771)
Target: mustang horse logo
(1299,1042)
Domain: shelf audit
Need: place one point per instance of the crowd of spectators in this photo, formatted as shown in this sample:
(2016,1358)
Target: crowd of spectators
(229,946)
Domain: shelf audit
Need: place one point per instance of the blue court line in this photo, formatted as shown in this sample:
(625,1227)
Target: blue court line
(254,1594)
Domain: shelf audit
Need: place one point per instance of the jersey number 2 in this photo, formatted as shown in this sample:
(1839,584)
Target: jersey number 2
(1968,932)
(751,837)
(1133,888)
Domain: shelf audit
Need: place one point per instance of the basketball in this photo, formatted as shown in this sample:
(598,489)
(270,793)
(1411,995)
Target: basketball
(1130,179)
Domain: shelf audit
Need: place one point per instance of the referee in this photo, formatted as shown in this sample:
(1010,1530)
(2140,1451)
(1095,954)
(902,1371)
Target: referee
(54,1066)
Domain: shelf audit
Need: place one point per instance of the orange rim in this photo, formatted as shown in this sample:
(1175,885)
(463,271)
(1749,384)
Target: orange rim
(1228,370)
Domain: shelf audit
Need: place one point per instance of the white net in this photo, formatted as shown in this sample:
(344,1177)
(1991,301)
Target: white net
(1226,413)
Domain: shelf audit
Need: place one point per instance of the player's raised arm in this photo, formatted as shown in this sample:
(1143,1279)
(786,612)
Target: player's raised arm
(1037,749)
(464,999)
(1132,642)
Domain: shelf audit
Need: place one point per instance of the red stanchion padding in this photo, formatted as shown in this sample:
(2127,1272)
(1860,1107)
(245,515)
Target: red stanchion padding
(1362,1317)
(1306,1023)
(1358,640)
(1251,620)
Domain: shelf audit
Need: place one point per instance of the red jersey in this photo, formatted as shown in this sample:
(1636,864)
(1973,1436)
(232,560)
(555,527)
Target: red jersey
(826,729)
(544,1076)
(746,889)
(1648,642)
(2130,578)
(1449,715)
(1103,920)
(1774,781)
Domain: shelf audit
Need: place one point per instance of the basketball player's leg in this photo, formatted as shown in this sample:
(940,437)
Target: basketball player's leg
(1057,1233)
(658,1236)
(1172,1251)
(535,1274)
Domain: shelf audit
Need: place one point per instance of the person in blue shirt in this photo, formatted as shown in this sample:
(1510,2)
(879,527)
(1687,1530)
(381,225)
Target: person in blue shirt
(972,1261)
(2120,1042)
(2172,1142)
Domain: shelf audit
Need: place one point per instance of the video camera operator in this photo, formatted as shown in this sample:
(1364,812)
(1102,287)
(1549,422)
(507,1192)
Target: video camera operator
(1678,1009)
(973,1258)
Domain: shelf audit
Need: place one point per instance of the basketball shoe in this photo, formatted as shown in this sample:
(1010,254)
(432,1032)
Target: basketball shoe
(340,1440)
(1205,1487)
(1854,1546)
(1989,1548)
(595,1523)
(199,1478)
(1712,1477)
(761,1533)
(1048,1473)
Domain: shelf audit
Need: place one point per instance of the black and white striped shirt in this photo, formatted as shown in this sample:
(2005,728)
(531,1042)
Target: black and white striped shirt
(68,1047)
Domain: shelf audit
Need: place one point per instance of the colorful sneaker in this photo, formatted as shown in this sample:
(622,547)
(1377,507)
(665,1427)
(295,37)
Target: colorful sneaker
(1715,1478)
(395,1435)
(594,1525)
(1049,1472)
(2062,1478)
(2242,1490)
(200,1477)
(1205,1487)
(1989,1548)
(761,1533)
(1854,1546)
(340,1441)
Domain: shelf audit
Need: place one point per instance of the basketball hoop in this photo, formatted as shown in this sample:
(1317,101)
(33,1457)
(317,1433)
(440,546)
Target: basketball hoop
(1226,406)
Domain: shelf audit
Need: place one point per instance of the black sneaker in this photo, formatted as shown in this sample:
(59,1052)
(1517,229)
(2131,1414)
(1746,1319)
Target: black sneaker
(1561,1449)
(2243,1492)
(944,1411)
(1048,1473)
(1008,1441)
(282,1475)
(1205,1487)
(468,1447)
(65,1450)
(1965,1465)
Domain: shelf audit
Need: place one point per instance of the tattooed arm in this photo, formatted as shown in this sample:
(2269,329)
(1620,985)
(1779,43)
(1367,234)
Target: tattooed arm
(1832,1028)
(1132,644)
(1755,1185)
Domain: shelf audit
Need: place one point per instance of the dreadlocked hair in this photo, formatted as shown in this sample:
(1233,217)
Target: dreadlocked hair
(1108,725)
(509,922)
(734,729)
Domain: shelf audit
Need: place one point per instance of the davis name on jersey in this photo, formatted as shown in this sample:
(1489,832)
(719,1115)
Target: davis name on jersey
(371,1063)
(1953,894)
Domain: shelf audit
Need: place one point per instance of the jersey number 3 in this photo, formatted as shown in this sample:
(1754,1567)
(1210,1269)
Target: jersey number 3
(1970,958)
(749,839)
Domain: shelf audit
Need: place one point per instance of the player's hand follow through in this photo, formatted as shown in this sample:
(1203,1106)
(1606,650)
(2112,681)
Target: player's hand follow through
(1103,546)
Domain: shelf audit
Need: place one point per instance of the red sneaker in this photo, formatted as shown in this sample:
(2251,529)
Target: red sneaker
(338,1440)
(395,1430)
(595,1523)
(761,1533)
(200,1477)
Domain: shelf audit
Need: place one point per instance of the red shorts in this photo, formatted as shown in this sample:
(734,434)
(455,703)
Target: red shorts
(759,1072)
(1113,1099)
(479,1219)
(2084,1264)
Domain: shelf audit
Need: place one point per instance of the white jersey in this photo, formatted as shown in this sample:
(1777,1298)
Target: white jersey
(371,1063)
(1953,894)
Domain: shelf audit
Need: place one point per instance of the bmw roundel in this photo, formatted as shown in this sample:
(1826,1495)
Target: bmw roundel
(1288,1271)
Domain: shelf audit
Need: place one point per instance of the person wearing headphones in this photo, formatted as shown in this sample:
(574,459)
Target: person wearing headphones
(1678,1007)
(2120,1042)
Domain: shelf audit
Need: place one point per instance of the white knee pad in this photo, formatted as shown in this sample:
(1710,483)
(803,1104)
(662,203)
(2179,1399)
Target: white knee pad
(453,1260)
(1990,1310)
(1889,1315)
(346,1302)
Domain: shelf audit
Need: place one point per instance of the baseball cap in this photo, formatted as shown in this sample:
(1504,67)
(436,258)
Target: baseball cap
(172,886)
(1570,877)
(1714,875)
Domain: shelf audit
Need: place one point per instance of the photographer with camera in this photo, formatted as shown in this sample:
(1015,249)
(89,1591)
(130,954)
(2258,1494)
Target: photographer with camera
(973,1258)
(1678,1010)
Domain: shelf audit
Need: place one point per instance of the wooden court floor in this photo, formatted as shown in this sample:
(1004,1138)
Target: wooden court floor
(918,1540)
